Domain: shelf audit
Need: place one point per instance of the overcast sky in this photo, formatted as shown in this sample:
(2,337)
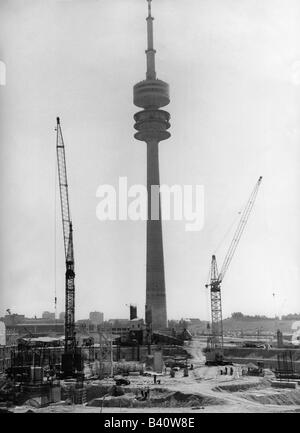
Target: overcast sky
(234,72)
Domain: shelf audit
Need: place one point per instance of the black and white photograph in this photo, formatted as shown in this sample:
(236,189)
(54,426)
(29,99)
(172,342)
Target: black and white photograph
(150,209)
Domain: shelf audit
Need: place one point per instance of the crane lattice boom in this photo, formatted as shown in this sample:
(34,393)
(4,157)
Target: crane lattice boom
(239,230)
(70,342)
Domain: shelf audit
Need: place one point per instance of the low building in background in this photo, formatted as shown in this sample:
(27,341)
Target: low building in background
(48,316)
(13,319)
(17,325)
(62,316)
(96,317)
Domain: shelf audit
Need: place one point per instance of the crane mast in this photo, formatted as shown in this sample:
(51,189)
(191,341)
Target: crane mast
(68,363)
(216,340)
(216,306)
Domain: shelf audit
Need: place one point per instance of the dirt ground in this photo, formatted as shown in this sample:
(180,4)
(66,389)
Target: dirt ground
(204,390)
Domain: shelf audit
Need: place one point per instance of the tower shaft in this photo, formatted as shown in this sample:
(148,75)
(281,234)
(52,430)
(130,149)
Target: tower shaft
(155,279)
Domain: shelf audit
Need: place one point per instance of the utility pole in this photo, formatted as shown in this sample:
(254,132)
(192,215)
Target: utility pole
(111,355)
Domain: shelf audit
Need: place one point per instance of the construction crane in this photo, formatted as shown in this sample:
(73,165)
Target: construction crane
(70,357)
(215,342)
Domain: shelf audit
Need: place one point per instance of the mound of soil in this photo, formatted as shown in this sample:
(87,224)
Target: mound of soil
(237,387)
(34,402)
(110,401)
(170,399)
(280,398)
(180,399)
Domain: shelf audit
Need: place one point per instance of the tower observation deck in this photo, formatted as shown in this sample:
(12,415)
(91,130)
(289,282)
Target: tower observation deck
(152,126)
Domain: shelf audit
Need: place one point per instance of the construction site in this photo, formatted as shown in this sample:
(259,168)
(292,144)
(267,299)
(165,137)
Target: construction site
(149,364)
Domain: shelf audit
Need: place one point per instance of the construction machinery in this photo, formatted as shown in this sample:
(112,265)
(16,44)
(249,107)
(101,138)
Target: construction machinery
(214,351)
(71,359)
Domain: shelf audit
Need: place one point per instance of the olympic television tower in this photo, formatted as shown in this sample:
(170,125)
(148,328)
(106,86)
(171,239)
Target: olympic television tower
(152,124)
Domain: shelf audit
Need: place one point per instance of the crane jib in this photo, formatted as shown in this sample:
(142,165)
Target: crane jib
(239,230)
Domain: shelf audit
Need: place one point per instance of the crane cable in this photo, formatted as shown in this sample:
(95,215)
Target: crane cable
(222,241)
(269,248)
(55,258)
(227,231)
